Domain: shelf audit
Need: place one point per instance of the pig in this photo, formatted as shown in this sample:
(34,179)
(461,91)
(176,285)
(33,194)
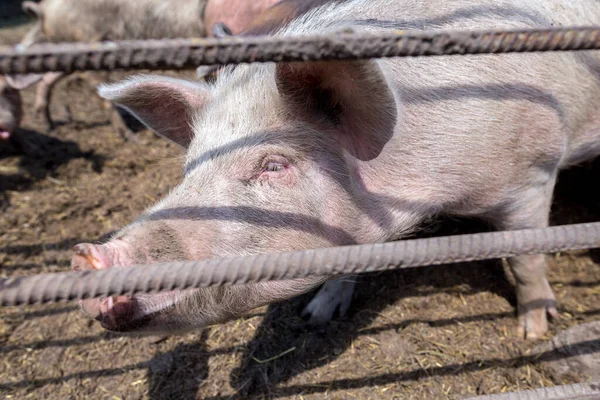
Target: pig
(93,20)
(44,83)
(10,109)
(278,15)
(291,156)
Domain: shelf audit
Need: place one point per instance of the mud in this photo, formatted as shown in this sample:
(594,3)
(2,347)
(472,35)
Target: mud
(437,332)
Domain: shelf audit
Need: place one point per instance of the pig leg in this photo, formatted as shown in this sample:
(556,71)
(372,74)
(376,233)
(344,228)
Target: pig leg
(535,298)
(335,294)
(43,93)
(534,295)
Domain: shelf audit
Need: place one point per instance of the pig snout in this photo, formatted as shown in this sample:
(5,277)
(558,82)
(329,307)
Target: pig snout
(7,127)
(4,132)
(88,256)
(118,313)
(113,311)
(140,312)
(171,311)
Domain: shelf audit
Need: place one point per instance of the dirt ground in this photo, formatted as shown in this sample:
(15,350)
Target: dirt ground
(436,332)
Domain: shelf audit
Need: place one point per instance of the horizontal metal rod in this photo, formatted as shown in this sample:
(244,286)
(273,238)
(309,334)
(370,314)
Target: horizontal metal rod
(191,53)
(577,391)
(45,288)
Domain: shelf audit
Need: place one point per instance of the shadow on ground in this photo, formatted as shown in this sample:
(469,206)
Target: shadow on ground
(39,156)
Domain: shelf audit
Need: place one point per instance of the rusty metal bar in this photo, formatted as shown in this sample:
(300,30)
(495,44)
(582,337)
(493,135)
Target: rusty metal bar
(46,288)
(577,391)
(191,53)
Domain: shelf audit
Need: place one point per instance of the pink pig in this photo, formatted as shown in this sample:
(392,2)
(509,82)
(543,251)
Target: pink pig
(295,156)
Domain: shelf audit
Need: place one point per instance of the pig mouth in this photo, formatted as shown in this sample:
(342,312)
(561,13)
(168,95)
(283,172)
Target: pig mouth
(113,313)
(122,313)
(4,135)
(172,311)
(128,313)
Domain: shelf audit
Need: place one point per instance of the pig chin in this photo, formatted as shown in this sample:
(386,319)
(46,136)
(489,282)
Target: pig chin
(132,314)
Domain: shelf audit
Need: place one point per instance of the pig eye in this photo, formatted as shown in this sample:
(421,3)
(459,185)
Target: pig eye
(274,166)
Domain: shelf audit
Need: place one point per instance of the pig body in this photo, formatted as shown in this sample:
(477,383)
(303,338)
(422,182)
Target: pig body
(10,109)
(280,14)
(99,20)
(306,155)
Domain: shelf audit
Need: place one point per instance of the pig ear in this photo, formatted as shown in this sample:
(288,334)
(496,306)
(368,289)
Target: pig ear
(351,97)
(165,105)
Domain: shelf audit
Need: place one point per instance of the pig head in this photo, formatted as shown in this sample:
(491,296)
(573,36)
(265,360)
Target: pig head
(267,172)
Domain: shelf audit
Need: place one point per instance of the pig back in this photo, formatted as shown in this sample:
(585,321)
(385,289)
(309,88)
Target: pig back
(94,20)
(471,129)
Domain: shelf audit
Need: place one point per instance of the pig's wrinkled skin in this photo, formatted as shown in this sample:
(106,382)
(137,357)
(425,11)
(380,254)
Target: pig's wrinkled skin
(10,109)
(307,155)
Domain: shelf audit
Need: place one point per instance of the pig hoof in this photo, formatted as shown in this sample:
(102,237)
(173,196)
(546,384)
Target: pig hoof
(533,322)
(335,295)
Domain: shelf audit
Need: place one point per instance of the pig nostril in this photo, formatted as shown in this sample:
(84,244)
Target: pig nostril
(86,256)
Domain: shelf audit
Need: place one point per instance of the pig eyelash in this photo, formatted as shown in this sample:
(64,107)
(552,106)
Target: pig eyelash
(274,166)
